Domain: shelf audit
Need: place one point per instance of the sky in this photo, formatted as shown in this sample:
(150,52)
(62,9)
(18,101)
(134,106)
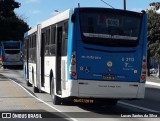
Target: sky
(35,11)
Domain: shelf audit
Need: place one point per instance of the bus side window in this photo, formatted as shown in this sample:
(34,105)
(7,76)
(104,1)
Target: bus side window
(47,41)
(42,44)
(29,42)
(35,40)
(52,42)
(65,38)
(34,48)
(53,33)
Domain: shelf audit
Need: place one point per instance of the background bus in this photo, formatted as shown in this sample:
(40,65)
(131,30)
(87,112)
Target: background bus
(88,53)
(0,53)
(12,54)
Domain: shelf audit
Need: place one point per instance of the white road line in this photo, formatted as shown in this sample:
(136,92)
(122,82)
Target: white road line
(153,83)
(139,107)
(44,101)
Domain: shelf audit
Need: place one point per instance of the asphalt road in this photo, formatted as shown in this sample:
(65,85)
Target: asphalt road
(23,99)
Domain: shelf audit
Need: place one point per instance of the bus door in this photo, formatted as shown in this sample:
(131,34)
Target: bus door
(42,59)
(58,57)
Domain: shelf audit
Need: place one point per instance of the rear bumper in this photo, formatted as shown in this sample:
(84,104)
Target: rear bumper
(12,63)
(106,89)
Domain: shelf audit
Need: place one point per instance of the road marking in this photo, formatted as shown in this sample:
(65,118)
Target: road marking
(143,108)
(153,83)
(43,101)
(139,107)
(127,104)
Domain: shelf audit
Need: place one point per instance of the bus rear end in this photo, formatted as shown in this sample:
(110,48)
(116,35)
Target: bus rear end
(109,57)
(12,54)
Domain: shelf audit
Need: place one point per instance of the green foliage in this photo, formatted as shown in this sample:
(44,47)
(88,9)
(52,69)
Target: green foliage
(153,34)
(7,7)
(11,26)
(156,5)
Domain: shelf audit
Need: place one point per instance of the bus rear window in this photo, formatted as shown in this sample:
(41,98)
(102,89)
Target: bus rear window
(12,51)
(11,45)
(107,26)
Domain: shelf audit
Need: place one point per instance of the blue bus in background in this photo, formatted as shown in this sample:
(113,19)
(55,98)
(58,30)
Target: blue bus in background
(11,54)
(88,55)
(0,53)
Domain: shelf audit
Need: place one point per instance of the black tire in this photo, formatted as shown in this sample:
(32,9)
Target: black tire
(4,67)
(28,84)
(112,102)
(35,89)
(26,78)
(55,99)
(106,102)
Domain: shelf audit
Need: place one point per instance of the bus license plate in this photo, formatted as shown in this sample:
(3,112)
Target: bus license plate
(108,77)
(83,100)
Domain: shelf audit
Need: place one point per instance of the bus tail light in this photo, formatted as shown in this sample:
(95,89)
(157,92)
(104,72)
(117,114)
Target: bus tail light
(21,55)
(143,72)
(143,77)
(73,66)
(73,62)
(73,74)
(1,58)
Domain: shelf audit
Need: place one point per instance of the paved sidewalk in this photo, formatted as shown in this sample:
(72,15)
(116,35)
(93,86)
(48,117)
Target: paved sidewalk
(153,79)
(14,98)
(153,82)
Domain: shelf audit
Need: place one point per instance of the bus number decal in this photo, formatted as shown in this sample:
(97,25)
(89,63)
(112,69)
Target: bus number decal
(128,59)
(112,22)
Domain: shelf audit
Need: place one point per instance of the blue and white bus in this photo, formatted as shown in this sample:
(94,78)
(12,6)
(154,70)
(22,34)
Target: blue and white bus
(12,53)
(88,55)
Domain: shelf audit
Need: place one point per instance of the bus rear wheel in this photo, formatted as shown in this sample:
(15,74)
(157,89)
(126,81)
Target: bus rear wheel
(111,102)
(28,84)
(4,67)
(35,89)
(55,99)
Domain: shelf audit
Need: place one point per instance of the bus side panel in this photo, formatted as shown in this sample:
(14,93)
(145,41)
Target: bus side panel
(141,90)
(49,65)
(71,42)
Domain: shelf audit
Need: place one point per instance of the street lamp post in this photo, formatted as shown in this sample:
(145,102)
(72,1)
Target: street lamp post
(124,2)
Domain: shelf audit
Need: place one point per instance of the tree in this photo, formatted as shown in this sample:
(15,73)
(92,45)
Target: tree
(154,33)
(7,7)
(11,26)
(155,6)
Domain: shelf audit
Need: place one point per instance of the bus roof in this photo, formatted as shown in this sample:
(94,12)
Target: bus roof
(58,18)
